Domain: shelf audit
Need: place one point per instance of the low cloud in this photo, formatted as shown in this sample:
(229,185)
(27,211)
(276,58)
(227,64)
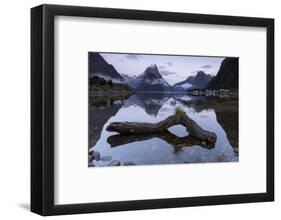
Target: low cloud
(207,66)
(161,67)
(133,57)
(166,72)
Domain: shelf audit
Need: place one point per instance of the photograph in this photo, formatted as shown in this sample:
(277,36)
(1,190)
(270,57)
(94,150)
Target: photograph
(152,109)
(157,102)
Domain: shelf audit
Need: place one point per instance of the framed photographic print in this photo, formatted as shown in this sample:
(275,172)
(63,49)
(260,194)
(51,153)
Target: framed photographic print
(136,109)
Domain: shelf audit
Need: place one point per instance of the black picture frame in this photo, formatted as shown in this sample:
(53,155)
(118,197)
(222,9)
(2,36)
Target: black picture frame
(42,109)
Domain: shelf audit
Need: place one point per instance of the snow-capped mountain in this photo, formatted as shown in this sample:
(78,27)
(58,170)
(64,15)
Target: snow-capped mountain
(150,80)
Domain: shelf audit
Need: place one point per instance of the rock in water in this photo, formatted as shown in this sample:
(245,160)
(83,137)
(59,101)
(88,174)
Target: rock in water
(128,163)
(96,155)
(105,158)
(114,163)
(91,157)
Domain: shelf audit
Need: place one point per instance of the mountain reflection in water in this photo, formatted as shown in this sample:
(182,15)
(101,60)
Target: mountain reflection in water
(219,115)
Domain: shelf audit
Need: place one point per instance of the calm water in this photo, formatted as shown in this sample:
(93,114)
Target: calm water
(219,115)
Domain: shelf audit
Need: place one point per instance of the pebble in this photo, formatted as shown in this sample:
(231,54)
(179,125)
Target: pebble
(128,163)
(114,163)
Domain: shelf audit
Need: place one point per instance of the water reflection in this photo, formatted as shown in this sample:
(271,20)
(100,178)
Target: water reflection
(219,115)
(150,102)
(171,139)
(101,108)
(226,109)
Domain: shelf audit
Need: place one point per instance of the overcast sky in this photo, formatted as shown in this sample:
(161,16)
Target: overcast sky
(173,68)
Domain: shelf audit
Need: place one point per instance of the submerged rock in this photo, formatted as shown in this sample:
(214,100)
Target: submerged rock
(96,155)
(92,164)
(114,163)
(221,158)
(105,158)
(128,163)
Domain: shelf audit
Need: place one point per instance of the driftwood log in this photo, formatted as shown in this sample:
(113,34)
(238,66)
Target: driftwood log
(173,140)
(139,128)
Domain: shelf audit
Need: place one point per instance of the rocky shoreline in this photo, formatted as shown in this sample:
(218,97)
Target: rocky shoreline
(95,159)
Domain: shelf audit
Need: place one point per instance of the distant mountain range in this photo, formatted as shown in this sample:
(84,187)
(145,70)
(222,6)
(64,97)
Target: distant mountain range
(149,80)
(184,85)
(152,80)
(227,76)
(199,81)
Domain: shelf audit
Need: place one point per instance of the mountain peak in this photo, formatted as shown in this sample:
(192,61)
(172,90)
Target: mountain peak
(151,80)
(227,76)
(153,66)
(200,80)
(152,72)
(201,73)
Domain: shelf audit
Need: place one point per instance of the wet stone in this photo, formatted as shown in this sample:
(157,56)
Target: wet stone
(105,158)
(96,155)
(114,163)
(128,163)
(91,158)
